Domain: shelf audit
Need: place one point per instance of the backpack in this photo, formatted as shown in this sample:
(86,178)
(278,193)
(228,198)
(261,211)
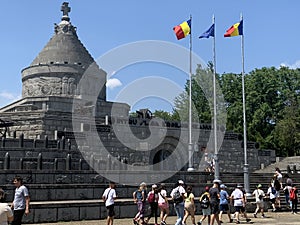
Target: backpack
(151,197)
(273,190)
(292,194)
(277,185)
(204,201)
(177,197)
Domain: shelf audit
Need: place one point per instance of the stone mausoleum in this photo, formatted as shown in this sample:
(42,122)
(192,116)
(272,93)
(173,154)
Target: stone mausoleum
(67,140)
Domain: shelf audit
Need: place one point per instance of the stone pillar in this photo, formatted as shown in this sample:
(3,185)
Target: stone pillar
(46,142)
(63,142)
(3,142)
(6,161)
(39,162)
(55,164)
(21,140)
(68,162)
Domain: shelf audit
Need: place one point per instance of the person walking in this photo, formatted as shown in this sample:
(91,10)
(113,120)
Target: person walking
(215,202)
(272,196)
(177,195)
(294,198)
(20,204)
(6,214)
(109,197)
(189,205)
(163,204)
(224,204)
(239,202)
(205,206)
(139,197)
(259,200)
(153,201)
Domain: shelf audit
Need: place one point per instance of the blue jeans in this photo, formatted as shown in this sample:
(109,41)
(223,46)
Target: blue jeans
(179,209)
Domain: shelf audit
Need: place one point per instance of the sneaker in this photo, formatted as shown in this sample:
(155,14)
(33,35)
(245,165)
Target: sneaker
(199,223)
(135,222)
(163,223)
(237,222)
(263,216)
(221,221)
(248,220)
(254,215)
(231,220)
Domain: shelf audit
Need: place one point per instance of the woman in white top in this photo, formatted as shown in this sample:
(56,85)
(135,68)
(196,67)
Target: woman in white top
(6,214)
(163,204)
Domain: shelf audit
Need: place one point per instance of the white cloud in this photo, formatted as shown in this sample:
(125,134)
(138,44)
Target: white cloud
(113,83)
(7,98)
(291,66)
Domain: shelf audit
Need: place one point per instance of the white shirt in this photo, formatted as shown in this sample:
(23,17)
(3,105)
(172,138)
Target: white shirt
(163,193)
(181,190)
(5,212)
(237,195)
(20,195)
(109,194)
(257,193)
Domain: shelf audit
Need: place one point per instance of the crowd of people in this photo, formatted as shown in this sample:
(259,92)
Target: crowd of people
(216,203)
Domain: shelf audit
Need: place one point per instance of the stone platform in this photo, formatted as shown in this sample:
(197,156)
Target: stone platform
(284,218)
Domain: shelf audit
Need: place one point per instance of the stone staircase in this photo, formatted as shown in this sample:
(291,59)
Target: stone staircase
(282,165)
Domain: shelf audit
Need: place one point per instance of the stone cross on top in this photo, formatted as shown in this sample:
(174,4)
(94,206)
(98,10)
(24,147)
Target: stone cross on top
(65,9)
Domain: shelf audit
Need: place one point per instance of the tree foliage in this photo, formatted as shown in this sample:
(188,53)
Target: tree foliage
(272,105)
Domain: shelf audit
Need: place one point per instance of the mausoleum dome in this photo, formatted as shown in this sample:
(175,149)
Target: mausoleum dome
(58,68)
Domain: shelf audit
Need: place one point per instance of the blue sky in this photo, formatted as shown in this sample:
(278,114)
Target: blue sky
(270,27)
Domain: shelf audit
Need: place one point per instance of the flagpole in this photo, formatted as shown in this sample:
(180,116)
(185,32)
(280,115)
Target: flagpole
(190,145)
(246,165)
(217,168)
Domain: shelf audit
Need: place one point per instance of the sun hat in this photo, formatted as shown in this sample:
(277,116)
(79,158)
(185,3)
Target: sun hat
(180,182)
(223,186)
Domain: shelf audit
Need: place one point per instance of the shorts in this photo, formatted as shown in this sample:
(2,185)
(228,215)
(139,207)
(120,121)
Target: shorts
(215,209)
(163,205)
(272,200)
(224,207)
(206,212)
(240,209)
(260,204)
(189,207)
(110,210)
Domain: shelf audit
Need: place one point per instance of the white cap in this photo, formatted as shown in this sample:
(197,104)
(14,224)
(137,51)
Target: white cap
(180,182)
(154,186)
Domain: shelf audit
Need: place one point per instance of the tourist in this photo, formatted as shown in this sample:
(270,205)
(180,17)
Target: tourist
(294,198)
(177,195)
(259,200)
(278,175)
(286,191)
(224,204)
(205,206)
(21,201)
(139,197)
(215,202)
(272,196)
(109,197)
(189,205)
(239,202)
(163,204)
(152,199)
(6,214)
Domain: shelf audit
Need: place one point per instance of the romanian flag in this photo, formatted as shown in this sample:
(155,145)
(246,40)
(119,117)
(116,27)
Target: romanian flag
(235,30)
(183,29)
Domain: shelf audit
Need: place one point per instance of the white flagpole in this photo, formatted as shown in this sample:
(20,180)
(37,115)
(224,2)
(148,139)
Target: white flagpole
(217,168)
(246,165)
(190,145)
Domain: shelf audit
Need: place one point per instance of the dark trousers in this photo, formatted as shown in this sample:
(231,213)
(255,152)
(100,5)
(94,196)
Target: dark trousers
(18,215)
(294,205)
(153,207)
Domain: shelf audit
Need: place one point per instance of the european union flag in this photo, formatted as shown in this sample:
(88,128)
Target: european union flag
(209,33)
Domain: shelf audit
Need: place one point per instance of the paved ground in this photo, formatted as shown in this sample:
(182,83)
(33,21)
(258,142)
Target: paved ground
(283,218)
